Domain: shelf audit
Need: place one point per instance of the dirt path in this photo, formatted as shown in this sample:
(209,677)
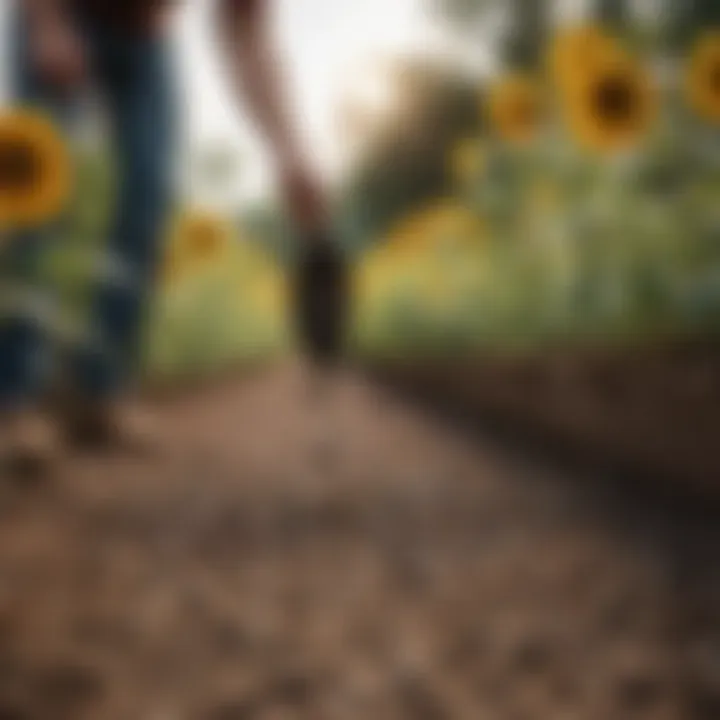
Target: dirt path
(379,566)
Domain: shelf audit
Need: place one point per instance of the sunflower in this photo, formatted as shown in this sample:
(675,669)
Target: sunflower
(199,239)
(467,160)
(613,107)
(442,222)
(516,108)
(35,170)
(702,84)
(575,50)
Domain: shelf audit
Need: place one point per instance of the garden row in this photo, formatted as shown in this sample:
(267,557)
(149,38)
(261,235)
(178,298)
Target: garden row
(653,411)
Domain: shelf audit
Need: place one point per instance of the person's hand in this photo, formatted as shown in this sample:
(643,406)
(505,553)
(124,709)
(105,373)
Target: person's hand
(321,280)
(57,54)
(303,196)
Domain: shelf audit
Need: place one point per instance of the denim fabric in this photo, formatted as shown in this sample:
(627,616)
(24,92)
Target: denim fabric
(132,75)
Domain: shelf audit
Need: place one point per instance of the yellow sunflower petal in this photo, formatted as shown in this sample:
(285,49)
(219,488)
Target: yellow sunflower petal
(198,239)
(516,108)
(702,81)
(613,107)
(575,50)
(444,223)
(35,170)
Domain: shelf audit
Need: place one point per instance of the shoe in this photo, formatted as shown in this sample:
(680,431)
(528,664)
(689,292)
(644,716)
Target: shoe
(29,443)
(110,425)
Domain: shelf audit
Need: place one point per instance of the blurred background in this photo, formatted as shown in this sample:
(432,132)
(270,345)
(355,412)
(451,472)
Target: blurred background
(504,504)
(469,227)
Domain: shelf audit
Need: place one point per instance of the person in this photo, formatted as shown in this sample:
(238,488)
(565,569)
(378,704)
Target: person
(121,49)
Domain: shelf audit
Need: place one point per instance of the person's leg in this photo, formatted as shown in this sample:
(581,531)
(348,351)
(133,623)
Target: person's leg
(26,302)
(135,75)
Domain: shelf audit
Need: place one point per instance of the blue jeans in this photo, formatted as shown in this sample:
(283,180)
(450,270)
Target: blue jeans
(133,75)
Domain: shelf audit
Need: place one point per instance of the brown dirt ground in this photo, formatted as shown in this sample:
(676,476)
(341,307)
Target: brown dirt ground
(366,561)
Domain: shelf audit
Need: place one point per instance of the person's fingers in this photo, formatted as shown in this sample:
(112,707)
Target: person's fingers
(65,78)
(59,58)
(305,200)
(68,72)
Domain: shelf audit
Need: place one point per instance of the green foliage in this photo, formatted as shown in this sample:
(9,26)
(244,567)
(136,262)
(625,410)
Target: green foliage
(205,324)
(528,32)
(578,248)
(407,161)
(684,19)
(459,12)
(267,223)
(613,13)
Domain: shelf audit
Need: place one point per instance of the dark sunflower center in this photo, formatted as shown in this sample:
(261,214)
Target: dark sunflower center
(203,241)
(615,99)
(19,167)
(715,78)
(525,114)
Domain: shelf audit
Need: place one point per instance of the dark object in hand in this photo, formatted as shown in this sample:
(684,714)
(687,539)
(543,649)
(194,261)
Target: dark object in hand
(321,301)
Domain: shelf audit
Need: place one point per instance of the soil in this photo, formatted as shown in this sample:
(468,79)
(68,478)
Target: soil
(653,409)
(298,549)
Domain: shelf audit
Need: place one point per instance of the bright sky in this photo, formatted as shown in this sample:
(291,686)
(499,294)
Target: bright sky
(319,40)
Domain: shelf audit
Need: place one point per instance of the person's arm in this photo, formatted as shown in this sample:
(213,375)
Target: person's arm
(55,49)
(243,26)
(43,10)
